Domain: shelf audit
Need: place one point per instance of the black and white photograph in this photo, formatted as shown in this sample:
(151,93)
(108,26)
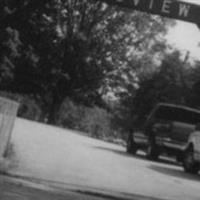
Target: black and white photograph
(100,100)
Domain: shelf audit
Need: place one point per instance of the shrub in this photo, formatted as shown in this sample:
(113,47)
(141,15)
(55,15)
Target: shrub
(28,108)
(70,115)
(96,122)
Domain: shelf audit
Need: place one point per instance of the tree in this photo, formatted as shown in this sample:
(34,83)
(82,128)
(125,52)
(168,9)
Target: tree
(57,53)
(142,47)
(168,83)
(78,49)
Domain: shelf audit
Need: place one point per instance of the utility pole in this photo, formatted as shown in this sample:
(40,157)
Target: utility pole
(182,78)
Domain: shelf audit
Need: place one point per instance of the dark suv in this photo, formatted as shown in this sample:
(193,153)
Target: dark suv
(166,131)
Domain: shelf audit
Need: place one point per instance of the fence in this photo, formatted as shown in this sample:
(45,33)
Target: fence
(8,112)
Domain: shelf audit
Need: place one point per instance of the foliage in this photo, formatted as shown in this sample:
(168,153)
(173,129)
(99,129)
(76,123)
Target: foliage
(168,83)
(79,49)
(94,121)
(143,47)
(70,115)
(28,108)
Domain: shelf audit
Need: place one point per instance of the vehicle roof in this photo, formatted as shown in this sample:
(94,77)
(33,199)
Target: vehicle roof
(179,106)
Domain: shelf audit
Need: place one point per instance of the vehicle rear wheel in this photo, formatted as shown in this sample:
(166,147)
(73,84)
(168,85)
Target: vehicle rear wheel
(131,146)
(189,163)
(152,150)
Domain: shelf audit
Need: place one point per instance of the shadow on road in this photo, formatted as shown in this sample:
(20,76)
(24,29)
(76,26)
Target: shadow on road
(118,196)
(14,188)
(178,173)
(140,156)
(175,172)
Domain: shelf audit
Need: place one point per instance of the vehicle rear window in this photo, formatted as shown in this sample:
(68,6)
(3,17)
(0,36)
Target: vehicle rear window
(177,114)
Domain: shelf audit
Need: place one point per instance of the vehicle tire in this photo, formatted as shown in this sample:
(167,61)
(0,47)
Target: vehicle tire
(131,146)
(189,164)
(152,150)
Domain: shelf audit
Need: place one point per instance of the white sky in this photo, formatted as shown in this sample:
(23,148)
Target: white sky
(192,1)
(186,36)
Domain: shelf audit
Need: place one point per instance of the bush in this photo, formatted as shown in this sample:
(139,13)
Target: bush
(93,121)
(28,108)
(96,122)
(70,115)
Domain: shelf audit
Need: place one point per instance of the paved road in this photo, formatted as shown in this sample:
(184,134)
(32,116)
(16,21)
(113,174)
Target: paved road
(18,189)
(70,160)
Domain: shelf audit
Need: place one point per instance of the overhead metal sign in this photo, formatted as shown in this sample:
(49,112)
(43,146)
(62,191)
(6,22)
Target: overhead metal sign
(167,8)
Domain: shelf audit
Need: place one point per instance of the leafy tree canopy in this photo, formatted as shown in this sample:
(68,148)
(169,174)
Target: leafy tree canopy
(82,49)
